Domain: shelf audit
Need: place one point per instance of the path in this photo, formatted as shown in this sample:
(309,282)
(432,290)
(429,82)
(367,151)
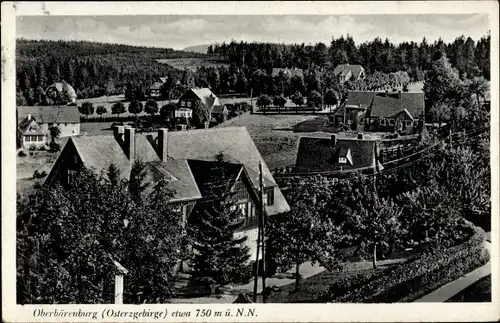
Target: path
(449,290)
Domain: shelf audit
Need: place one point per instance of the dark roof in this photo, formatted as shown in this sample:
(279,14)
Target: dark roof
(344,69)
(49,114)
(363,99)
(235,144)
(219,109)
(291,72)
(388,105)
(317,154)
(214,178)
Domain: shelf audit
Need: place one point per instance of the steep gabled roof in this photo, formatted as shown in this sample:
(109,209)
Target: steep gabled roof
(389,105)
(49,114)
(344,69)
(317,154)
(30,127)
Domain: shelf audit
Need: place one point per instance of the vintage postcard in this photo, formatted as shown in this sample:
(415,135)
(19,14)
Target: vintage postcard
(250,161)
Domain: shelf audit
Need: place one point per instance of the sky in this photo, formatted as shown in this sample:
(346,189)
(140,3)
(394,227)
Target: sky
(182,31)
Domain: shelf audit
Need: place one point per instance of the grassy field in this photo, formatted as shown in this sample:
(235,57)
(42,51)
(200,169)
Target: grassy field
(273,136)
(191,63)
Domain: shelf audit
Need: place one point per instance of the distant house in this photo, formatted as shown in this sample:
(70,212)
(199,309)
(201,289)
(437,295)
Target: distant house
(63,89)
(333,154)
(34,123)
(381,111)
(346,72)
(204,98)
(290,72)
(187,160)
(155,88)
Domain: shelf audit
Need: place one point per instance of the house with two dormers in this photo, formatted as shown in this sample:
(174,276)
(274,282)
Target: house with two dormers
(187,160)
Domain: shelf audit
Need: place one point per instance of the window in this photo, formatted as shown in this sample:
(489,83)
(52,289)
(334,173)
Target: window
(342,160)
(269,197)
(189,104)
(361,120)
(382,122)
(392,122)
(71,175)
(408,123)
(243,209)
(265,199)
(183,103)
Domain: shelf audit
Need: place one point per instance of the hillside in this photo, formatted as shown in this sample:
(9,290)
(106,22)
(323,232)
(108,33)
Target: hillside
(93,69)
(197,48)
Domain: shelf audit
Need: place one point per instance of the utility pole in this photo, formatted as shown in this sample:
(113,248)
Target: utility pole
(263,235)
(256,279)
(251,101)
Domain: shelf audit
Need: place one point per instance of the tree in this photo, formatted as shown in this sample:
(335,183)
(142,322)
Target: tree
(117,108)
(298,99)
(314,99)
(219,254)
(54,132)
(441,83)
(151,107)
(279,101)
(263,101)
(331,98)
(304,233)
(87,108)
(66,248)
(135,107)
(101,110)
(376,226)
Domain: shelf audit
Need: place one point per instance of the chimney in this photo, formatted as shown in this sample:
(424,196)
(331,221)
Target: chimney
(29,116)
(333,141)
(118,132)
(360,136)
(163,144)
(130,143)
(399,94)
(207,125)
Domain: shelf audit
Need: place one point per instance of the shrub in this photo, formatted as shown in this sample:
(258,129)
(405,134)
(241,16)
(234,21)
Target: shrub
(413,279)
(21,153)
(54,146)
(42,148)
(32,147)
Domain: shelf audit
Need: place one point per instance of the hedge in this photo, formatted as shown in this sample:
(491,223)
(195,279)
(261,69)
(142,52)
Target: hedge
(416,278)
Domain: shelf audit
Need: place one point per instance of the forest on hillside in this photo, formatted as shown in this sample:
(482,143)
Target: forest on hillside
(93,69)
(96,69)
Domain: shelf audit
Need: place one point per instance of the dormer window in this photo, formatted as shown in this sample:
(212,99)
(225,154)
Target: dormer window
(189,104)
(183,103)
(342,160)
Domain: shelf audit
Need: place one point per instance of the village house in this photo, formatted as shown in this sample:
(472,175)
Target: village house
(290,72)
(187,160)
(34,123)
(335,154)
(62,89)
(207,101)
(155,88)
(346,72)
(381,111)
